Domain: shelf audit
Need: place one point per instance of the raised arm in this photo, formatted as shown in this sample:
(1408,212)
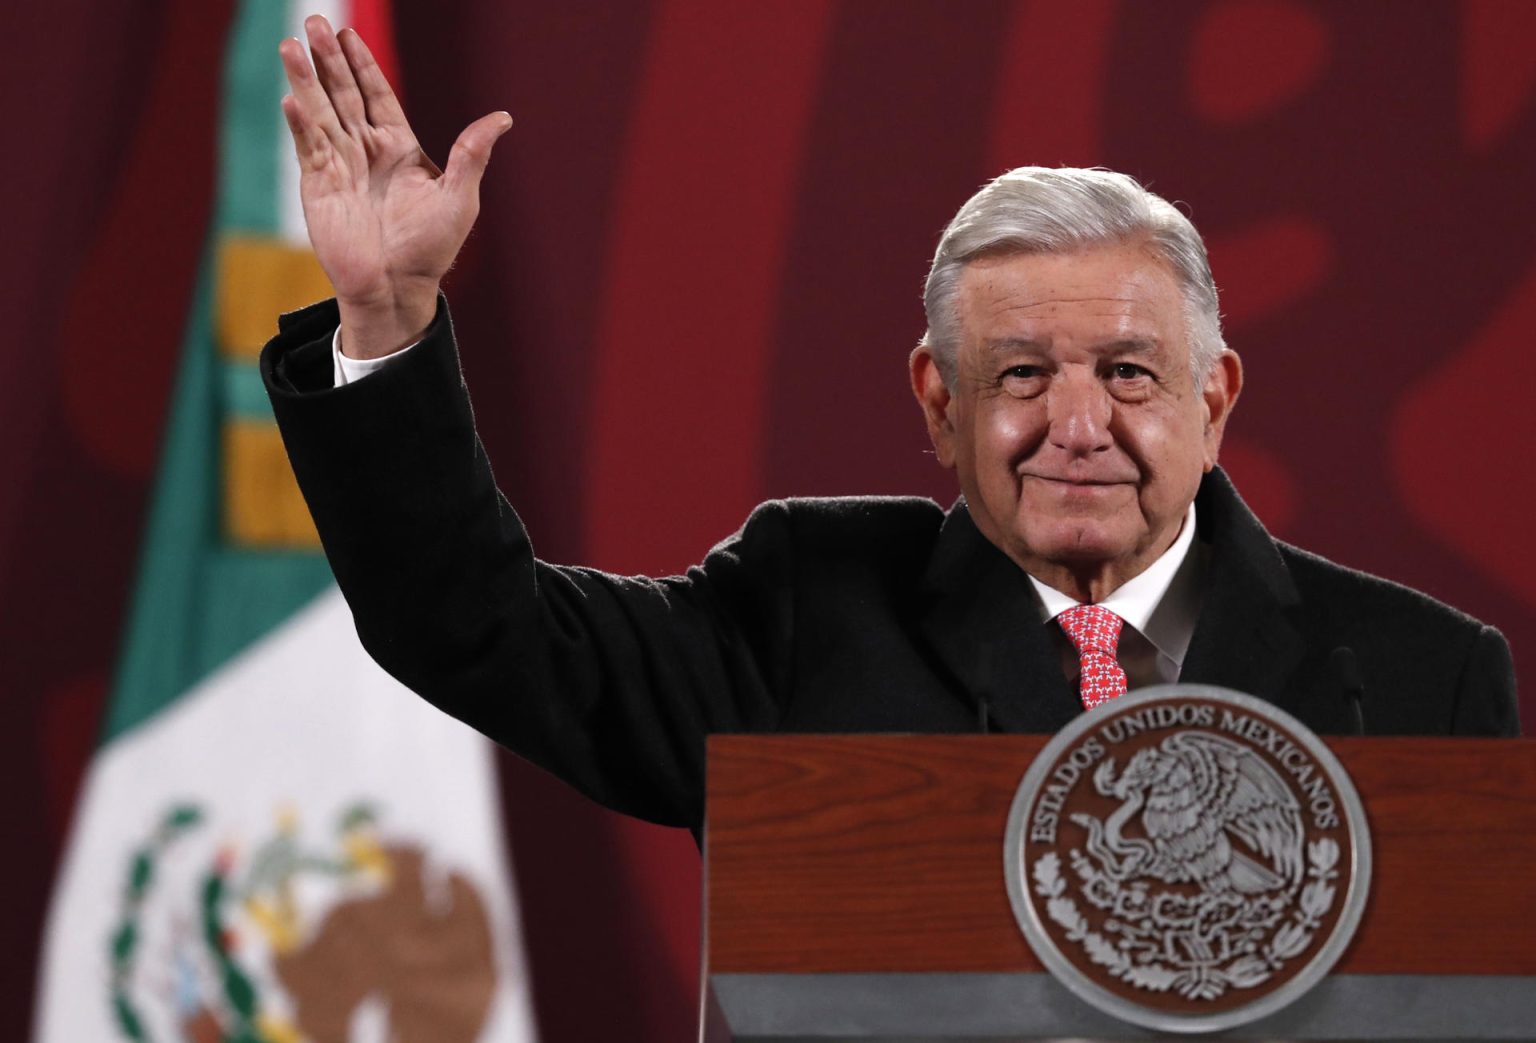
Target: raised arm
(384,221)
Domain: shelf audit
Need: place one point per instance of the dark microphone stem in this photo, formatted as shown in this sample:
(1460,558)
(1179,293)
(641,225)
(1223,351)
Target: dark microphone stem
(1345,666)
(983,697)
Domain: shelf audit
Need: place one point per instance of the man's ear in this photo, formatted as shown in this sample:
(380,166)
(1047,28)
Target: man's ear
(934,398)
(1222,386)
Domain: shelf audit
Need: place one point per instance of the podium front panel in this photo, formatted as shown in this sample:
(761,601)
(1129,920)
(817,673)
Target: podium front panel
(856,883)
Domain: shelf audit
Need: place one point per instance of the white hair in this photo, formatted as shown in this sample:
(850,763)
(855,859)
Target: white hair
(1060,210)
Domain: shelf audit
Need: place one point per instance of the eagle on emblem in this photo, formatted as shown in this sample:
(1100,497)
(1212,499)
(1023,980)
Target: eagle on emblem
(1210,812)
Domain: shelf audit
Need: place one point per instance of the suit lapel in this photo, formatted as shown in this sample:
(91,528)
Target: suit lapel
(1244,638)
(981,618)
(982,622)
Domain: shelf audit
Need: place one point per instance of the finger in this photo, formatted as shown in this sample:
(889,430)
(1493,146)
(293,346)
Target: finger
(334,73)
(314,105)
(470,154)
(309,143)
(378,97)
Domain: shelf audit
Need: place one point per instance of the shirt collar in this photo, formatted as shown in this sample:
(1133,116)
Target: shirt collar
(1162,603)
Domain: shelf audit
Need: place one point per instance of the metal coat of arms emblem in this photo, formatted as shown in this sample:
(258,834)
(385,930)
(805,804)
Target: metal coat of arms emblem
(1187,858)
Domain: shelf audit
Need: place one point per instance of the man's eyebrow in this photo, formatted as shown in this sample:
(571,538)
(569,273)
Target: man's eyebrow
(1132,346)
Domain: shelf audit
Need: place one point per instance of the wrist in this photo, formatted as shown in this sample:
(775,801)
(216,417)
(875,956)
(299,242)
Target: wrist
(375,328)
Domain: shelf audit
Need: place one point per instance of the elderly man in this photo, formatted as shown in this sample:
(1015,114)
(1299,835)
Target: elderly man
(1073,376)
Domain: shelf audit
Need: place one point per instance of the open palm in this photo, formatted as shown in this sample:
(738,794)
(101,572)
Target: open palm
(384,221)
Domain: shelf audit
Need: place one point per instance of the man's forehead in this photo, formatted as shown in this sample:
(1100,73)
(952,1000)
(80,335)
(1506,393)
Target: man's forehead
(1105,295)
(1013,317)
(1030,307)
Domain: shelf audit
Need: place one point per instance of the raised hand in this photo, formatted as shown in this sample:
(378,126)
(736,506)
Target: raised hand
(384,221)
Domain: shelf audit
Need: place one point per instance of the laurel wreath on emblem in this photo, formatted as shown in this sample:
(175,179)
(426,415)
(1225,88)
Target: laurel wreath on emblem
(1256,905)
(1201,980)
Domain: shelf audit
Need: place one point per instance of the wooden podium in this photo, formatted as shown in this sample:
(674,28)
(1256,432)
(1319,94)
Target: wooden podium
(854,890)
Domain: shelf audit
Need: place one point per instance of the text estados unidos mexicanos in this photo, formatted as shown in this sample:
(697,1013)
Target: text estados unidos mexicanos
(1292,758)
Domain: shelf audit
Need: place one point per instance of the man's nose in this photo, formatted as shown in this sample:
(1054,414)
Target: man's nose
(1080,410)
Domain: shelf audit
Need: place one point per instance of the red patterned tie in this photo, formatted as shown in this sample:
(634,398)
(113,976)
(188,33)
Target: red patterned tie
(1095,633)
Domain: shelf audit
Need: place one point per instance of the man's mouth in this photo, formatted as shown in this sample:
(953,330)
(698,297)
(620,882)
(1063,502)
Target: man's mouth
(1078,481)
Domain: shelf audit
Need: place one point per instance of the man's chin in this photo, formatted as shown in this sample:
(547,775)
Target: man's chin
(1076,542)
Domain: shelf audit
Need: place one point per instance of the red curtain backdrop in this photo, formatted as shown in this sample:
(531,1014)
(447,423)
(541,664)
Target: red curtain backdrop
(694,285)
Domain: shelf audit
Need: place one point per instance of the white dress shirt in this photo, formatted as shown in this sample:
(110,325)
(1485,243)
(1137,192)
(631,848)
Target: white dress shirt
(1159,607)
(349,371)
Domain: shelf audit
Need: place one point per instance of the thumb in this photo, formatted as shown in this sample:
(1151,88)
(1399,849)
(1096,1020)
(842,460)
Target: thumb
(472,151)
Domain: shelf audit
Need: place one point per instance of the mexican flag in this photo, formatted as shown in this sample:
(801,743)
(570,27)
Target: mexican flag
(275,842)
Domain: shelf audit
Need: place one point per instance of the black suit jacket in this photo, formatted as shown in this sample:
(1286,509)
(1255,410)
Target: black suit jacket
(845,615)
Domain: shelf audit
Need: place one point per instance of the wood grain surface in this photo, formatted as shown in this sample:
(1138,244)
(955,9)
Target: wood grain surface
(885,854)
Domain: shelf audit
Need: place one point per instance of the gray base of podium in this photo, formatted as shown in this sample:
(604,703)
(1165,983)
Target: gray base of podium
(908,1008)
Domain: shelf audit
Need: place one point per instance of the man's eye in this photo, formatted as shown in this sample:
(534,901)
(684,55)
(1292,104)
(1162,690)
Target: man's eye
(1128,371)
(1021,381)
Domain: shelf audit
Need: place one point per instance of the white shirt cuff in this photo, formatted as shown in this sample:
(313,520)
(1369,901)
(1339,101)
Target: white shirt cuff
(349,371)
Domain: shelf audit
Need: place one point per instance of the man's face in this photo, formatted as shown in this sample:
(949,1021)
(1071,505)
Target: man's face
(1074,425)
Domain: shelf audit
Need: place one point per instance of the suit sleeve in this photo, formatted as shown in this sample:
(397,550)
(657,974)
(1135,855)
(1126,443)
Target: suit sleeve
(1486,698)
(609,682)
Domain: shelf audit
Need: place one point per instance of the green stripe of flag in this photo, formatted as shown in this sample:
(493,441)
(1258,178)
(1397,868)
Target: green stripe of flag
(245,398)
(198,602)
(251,128)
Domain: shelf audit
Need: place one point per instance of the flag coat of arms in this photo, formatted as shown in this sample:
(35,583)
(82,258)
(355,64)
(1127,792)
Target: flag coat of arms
(276,842)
